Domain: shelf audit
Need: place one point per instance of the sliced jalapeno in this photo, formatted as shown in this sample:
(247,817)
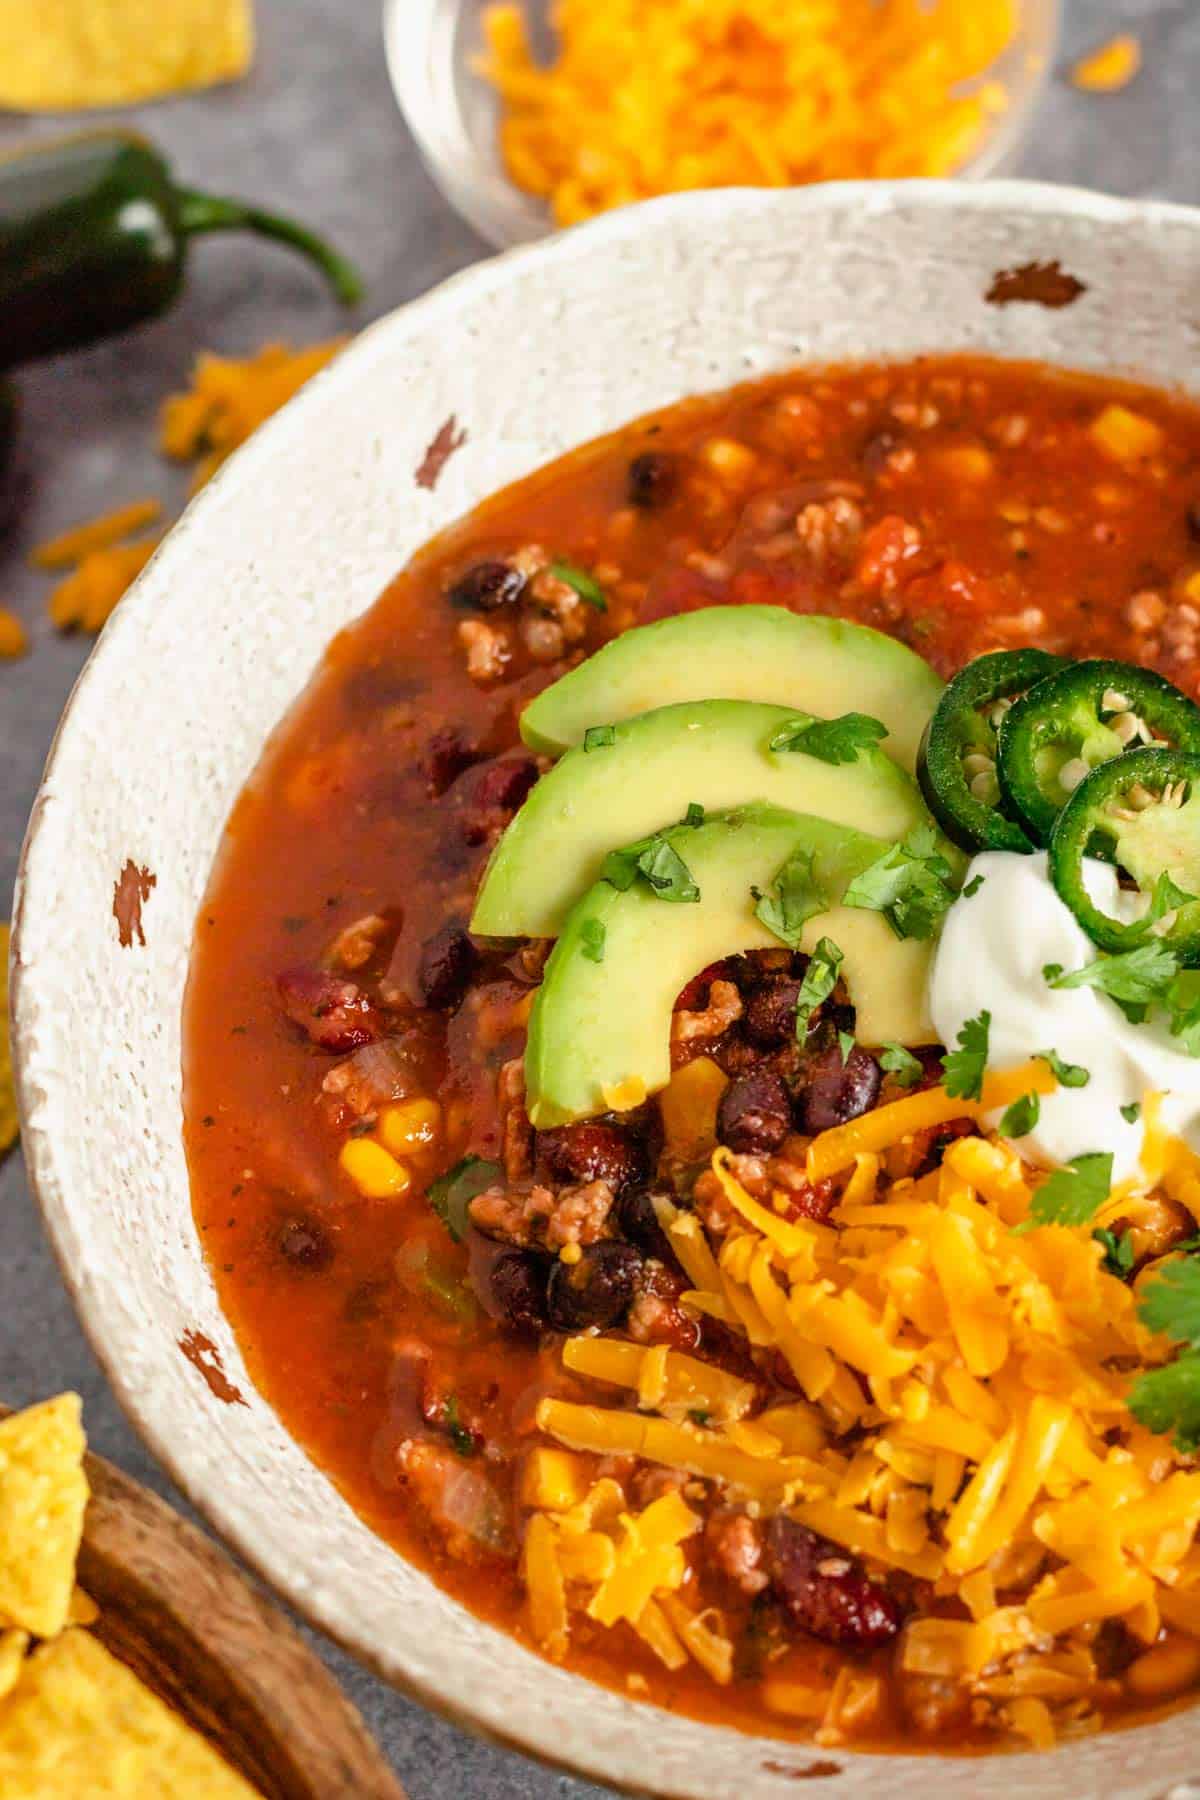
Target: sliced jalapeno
(956,763)
(1142,812)
(1076,720)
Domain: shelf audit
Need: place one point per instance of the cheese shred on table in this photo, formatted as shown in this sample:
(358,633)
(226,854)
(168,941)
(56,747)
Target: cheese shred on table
(958,1381)
(652,97)
(226,403)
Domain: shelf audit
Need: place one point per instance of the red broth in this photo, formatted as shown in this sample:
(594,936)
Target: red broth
(958,504)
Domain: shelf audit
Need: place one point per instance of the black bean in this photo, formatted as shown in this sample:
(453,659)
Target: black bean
(306,1245)
(487,586)
(447,962)
(837,1092)
(639,1224)
(597,1291)
(516,1291)
(653,478)
(590,1151)
(444,759)
(770,1016)
(755,1114)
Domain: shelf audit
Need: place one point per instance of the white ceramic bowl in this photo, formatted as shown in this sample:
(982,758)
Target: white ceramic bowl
(532,354)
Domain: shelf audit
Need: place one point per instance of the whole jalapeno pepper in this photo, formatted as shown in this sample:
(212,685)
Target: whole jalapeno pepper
(956,763)
(1078,719)
(1142,812)
(94,235)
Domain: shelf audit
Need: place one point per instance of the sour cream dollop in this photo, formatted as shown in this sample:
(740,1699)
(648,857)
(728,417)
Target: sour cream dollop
(993,948)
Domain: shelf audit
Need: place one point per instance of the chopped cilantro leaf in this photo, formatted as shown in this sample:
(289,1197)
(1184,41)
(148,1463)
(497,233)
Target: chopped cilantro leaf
(963,1068)
(797,898)
(1135,978)
(585,585)
(1118,1252)
(1132,1113)
(845,1045)
(1019,1119)
(657,861)
(820,979)
(462,1441)
(693,818)
(1183,1008)
(1068,1075)
(1166,898)
(599,737)
(903,1067)
(910,884)
(1168,1399)
(592,935)
(452,1193)
(830,740)
(1074,1194)
(972,888)
(1170,1303)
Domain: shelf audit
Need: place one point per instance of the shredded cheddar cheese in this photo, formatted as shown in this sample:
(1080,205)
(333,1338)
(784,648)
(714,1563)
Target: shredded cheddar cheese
(1110,68)
(981,1364)
(226,403)
(650,97)
(13,639)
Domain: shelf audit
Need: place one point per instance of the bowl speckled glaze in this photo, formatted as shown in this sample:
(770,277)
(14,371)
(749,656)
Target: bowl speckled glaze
(426,414)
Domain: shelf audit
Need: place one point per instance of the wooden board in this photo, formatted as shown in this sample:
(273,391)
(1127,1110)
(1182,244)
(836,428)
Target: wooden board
(174,1607)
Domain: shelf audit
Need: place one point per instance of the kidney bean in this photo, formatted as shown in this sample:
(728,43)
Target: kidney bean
(652,480)
(487,586)
(755,1114)
(447,962)
(590,1151)
(333,1013)
(445,757)
(595,1291)
(825,1592)
(770,1016)
(491,793)
(305,1244)
(837,1092)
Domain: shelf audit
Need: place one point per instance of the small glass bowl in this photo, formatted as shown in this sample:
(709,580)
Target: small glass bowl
(431,48)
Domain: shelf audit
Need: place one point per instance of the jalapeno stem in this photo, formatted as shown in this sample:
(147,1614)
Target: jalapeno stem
(210,212)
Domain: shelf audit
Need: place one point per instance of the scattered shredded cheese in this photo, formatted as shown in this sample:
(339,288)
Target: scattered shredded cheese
(226,403)
(13,639)
(655,96)
(1110,68)
(982,1369)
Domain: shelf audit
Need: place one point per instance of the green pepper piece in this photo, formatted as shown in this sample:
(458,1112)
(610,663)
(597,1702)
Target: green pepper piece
(1065,727)
(1142,812)
(94,234)
(964,725)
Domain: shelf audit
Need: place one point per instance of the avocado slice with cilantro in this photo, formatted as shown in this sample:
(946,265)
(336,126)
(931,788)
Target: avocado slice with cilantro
(799,660)
(753,878)
(628,780)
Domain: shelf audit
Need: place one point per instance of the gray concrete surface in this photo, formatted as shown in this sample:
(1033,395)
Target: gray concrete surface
(314,129)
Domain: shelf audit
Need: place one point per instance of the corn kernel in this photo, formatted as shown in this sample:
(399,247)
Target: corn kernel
(570,1254)
(1126,435)
(373,1170)
(725,456)
(410,1125)
(554,1479)
(966,462)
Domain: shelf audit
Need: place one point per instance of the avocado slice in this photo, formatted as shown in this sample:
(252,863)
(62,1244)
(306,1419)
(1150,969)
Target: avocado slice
(600,1031)
(800,660)
(714,752)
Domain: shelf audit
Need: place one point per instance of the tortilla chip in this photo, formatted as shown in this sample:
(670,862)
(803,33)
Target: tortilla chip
(83,1609)
(68,55)
(8,1094)
(13,1645)
(80,1723)
(43,1495)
